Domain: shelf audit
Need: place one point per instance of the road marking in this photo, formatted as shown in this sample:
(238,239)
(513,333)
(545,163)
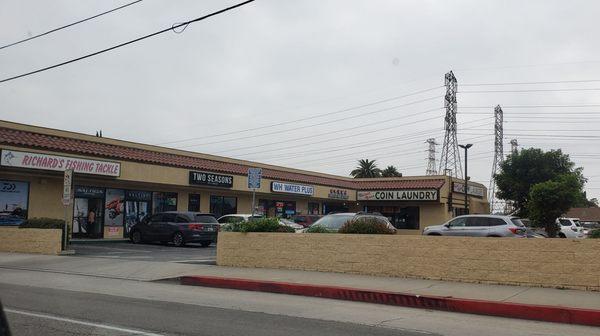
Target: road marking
(90,324)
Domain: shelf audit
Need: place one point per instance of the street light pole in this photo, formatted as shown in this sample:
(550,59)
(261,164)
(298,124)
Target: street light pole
(466,147)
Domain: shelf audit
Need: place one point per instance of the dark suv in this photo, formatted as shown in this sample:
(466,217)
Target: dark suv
(176,227)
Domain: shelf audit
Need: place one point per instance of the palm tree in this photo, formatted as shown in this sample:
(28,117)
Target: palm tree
(391,171)
(366,169)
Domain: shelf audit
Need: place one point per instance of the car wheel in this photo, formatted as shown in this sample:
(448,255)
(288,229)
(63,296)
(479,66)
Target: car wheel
(178,239)
(136,237)
(561,235)
(434,234)
(205,243)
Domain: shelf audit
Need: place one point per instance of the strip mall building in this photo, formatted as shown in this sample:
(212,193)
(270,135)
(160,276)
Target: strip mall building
(117,182)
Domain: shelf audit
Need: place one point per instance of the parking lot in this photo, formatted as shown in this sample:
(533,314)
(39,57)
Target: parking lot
(191,253)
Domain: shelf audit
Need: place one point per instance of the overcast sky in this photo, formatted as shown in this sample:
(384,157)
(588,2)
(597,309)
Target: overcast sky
(299,67)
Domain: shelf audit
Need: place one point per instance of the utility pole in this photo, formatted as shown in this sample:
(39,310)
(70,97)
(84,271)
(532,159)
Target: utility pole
(496,205)
(431,169)
(450,158)
(513,146)
(466,148)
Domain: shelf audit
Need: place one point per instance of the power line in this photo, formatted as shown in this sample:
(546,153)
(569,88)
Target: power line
(68,25)
(531,90)
(312,117)
(343,130)
(127,43)
(409,136)
(527,106)
(532,83)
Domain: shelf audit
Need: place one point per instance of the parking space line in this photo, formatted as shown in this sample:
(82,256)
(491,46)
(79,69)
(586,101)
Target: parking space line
(85,323)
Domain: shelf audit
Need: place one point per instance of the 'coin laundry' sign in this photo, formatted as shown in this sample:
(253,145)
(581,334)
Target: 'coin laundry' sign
(398,195)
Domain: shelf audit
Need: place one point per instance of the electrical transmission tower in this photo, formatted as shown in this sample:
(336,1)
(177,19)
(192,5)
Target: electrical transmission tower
(513,146)
(450,159)
(497,205)
(431,157)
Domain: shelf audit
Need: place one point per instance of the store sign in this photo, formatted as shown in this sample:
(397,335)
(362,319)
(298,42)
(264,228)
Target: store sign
(398,195)
(338,194)
(254,177)
(11,158)
(138,195)
(210,179)
(89,192)
(291,188)
(67,186)
(472,190)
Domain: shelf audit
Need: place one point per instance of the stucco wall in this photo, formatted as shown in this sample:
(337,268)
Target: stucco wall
(44,241)
(531,262)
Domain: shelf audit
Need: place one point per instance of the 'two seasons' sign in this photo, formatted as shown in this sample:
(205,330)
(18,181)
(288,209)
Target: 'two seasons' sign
(211,179)
(398,195)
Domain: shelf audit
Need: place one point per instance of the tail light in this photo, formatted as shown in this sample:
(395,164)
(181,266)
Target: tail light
(516,230)
(196,227)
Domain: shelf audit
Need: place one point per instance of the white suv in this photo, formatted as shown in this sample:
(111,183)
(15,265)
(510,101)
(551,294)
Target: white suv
(569,228)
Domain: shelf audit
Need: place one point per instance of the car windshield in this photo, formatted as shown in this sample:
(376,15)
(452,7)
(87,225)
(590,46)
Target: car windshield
(577,223)
(205,219)
(333,221)
(517,221)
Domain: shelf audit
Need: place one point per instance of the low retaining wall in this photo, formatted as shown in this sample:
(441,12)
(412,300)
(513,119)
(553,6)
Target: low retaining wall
(562,263)
(45,241)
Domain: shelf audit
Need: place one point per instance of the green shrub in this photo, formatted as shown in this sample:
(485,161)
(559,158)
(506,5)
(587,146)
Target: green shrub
(366,226)
(318,229)
(595,234)
(46,223)
(258,225)
(43,223)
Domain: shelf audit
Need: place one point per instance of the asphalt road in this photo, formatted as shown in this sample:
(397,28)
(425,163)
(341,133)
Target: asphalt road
(191,253)
(51,302)
(53,312)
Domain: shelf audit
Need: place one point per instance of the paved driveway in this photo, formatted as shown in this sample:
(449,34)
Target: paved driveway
(191,253)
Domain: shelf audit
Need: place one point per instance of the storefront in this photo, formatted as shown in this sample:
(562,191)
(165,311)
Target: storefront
(117,184)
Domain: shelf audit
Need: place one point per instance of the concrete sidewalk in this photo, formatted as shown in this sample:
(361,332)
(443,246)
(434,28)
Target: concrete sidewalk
(152,271)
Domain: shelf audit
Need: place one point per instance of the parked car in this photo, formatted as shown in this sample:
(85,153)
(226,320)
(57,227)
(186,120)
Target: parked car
(306,220)
(333,222)
(588,227)
(287,222)
(569,228)
(176,227)
(479,226)
(236,218)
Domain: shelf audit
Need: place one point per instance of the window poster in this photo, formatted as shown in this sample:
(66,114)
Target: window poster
(14,198)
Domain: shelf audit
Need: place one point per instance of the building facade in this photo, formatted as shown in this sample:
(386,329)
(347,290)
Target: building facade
(116,183)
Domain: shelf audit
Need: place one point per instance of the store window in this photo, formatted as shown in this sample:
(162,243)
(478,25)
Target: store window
(405,218)
(164,201)
(313,208)
(114,209)
(334,207)
(194,202)
(460,212)
(271,208)
(137,206)
(14,200)
(88,212)
(223,205)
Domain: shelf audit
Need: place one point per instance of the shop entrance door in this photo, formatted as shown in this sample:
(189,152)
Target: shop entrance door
(88,217)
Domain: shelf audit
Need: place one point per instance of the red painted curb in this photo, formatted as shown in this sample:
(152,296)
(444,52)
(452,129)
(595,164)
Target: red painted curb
(494,308)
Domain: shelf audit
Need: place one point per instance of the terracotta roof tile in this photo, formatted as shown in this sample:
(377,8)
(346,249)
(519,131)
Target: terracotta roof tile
(585,214)
(63,144)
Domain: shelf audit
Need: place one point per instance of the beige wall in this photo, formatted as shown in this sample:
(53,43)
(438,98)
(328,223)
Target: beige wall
(562,263)
(44,241)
